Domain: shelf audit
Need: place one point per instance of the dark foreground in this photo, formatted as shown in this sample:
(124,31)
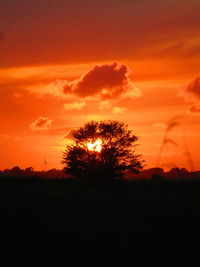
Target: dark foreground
(60,223)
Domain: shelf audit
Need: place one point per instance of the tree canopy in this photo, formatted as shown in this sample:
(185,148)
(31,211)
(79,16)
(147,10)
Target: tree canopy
(101,152)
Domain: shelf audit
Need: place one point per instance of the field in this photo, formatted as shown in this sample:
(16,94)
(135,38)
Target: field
(64,223)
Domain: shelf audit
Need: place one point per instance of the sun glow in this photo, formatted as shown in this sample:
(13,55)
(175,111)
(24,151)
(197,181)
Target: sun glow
(95,146)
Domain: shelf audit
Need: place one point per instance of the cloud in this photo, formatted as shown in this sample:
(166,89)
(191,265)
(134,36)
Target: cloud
(103,105)
(134,92)
(191,94)
(107,81)
(56,89)
(193,89)
(40,124)
(109,38)
(159,125)
(194,110)
(4,136)
(69,134)
(118,110)
(17,95)
(75,105)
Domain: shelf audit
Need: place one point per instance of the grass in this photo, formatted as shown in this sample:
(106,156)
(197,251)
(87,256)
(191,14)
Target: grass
(64,223)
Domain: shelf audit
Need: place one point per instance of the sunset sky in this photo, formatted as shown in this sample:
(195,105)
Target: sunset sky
(63,63)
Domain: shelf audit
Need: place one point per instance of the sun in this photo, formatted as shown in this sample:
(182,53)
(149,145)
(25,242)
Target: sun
(95,146)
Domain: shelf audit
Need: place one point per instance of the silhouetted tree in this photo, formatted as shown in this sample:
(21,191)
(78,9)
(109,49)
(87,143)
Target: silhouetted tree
(28,171)
(16,171)
(102,151)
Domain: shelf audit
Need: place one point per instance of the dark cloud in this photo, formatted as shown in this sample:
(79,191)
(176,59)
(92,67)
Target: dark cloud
(193,89)
(194,110)
(104,80)
(82,31)
(191,94)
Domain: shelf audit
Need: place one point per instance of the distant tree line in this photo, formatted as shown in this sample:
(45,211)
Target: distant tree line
(152,173)
(30,172)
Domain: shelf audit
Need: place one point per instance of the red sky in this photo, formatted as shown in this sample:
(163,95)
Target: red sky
(63,63)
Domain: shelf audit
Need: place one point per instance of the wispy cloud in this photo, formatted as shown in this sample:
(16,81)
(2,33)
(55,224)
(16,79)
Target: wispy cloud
(118,110)
(74,105)
(159,125)
(104,105)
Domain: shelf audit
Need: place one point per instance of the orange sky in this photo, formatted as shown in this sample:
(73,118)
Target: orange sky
(66,62)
